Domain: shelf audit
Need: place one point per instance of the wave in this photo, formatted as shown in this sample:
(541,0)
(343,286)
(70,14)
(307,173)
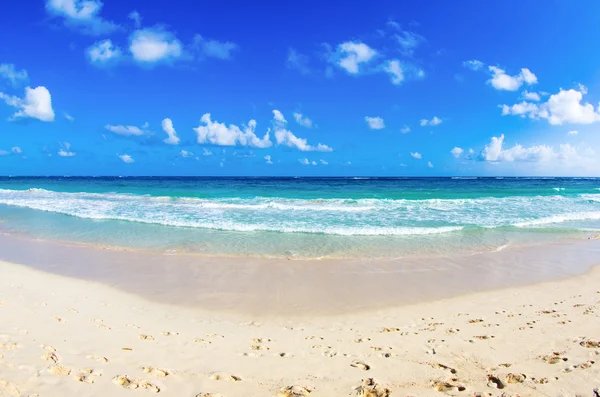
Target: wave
(336,216)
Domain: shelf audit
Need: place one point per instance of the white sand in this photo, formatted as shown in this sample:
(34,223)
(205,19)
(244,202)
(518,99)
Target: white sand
(68,337)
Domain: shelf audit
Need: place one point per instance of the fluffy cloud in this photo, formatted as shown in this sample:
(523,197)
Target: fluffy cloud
(127,159)
(430,164)
(206,152)
(573,132)
(305,161)
(214,48)
(353,54)
(69,117)
(394,69)
(153,45)
(562,108)
(433,122)
(416,155)
(495,152)
(37,104)
(167,126)
(375,123)
(531,96)
(473,64)
(185,153)
(502,81)
(125,130)
(286,137)
(323,162)
(219,134)
(16,150)
(457,152)
(303,120)
(65,153)
(405,129)
(104,53)
(81,14)
(268,159)
(297,61)
(9,72)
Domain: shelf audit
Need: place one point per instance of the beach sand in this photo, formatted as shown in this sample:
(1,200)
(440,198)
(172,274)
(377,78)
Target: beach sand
(62,336)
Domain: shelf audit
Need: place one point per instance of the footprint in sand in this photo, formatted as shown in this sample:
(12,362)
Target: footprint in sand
(475,321)
(131,326)
(146,337)
(59,320)
(223,376)
(444,367)
(209,395)
(10,388)
(10,346)
(49,357)
(169,333)
(360,365)
(515,378)
(59,370)
(200,340)
(156,371)
(443,386)
(361,340)
(313,337)
(260,340)
(393,329)
(495,382)
(285,355)
(450,331)
(131,384)
(590,344)
(294,391)
(86,375)
(554,358)
(370,388)
(258,347)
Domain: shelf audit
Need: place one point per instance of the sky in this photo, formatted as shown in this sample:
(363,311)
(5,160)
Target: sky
(312,88)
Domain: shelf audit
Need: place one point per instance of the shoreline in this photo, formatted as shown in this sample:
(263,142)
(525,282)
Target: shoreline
(300,288)
(64,336)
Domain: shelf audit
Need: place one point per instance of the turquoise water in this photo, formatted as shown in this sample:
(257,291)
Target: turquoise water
(303,217)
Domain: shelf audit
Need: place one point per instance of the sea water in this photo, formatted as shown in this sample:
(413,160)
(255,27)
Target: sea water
(305,218)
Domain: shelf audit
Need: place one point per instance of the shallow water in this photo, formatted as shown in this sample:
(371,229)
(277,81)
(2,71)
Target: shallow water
(303,217)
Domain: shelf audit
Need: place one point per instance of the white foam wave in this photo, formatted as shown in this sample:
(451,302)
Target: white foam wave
(582,216)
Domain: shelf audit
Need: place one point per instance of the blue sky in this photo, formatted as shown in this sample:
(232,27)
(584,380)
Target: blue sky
(299,88)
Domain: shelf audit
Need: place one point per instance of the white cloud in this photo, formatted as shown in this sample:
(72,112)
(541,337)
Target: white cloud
(136,18)
(409,41)
(16,150)
(69,117)
(153,45)
(353,54)
(185,153)
(214,48)
(565,154)
(104,53)
(323,162)
(37,104)
(219,134)
(405,129)
(375,123)
(9,72)
(473,64)
(303,120)
(268,159)
(167,126)
(502,81)
(531,96)
(126,130)
(305,161)
(565,107)
(82,14)
(573,132)
(457,152)
(278,116)
(206,152)
(126,158)
(394,69)
(66,153)
(433,122)
(416,155)
(430,164)
(298,61)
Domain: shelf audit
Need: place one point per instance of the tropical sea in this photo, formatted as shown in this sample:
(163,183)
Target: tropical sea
(303,218)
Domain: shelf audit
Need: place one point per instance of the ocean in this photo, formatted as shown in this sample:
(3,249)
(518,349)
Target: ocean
(305,218)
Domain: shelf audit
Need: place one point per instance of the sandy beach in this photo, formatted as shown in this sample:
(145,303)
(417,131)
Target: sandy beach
(62,336)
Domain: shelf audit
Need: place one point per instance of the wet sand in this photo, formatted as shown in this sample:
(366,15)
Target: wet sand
(275,287)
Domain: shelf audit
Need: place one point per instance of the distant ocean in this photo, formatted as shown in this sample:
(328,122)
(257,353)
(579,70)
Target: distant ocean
(303,217)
